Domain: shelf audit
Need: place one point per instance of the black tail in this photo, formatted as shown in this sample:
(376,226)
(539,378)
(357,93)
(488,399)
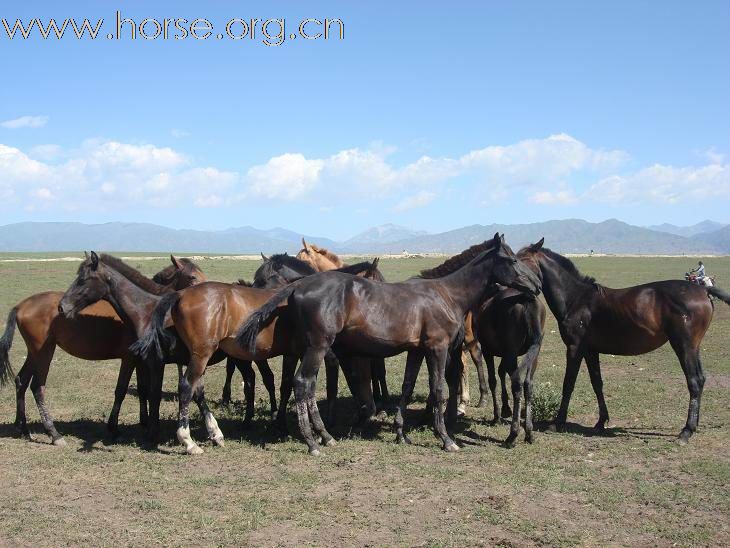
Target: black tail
(714,291)
(6,370)
(156,339)
(258,320)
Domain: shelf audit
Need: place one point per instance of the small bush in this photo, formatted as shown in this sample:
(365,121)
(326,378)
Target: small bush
(545,402)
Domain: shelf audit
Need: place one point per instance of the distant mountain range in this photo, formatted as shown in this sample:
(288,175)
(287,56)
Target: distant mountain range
(566,236)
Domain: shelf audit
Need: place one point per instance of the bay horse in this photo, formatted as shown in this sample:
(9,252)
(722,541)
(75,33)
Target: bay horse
(206,319)
(96,333)
(110,279)
(594,319)
(322,260)
(363,318)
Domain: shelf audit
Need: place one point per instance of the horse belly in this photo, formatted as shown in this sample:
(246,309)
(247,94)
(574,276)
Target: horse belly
(626,344)
(356,341)
(92,337)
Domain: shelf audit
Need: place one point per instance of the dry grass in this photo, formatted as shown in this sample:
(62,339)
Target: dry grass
(632,486)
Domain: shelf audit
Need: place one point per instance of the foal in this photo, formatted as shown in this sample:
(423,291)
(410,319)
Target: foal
(594,319)
(363,318)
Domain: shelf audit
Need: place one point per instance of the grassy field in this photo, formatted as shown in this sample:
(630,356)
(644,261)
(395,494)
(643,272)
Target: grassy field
(632,486)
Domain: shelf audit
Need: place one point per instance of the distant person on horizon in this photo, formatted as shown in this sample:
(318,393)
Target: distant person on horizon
(700,271)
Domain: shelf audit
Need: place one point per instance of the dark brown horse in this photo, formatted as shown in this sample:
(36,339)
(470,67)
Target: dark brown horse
(358,317)
(96,333)
(322,260)
(594,319)
(508,324)
(103,278)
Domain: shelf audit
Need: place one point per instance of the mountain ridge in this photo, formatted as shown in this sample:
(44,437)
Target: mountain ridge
(565,236)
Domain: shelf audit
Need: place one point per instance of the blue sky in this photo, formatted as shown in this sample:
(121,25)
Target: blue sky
(430,115)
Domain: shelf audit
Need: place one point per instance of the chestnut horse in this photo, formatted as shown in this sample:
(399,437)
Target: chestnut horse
(594,319)
(359,317)
(96,333)
(322,260)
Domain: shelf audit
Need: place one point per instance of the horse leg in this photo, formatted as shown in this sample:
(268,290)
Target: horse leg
(689,358)
(365,397)
(489,359)
(464,396)
(186,388)
(436,362)
(476,357)
(38,387)
(22,380)
(573,359)
(289,364)
(506,364)
(143,391)
(155,372)
(211,425)
(305,381)
(249,389)
(594,370)
(455,372)
(413,366)
(230,370)
(332,370)
(529,364)
(267,376)
(125,375)
(379,382)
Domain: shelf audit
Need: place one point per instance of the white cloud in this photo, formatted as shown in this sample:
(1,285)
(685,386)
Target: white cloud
(179,133)
(43,194)
(286,177)
(661,184)
(554,197)
(25,122)
(417,200)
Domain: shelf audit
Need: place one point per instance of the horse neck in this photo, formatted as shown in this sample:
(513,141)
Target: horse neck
(468,285)
(131,302)
(561,288)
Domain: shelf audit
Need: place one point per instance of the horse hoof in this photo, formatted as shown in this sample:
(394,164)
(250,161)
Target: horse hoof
(557,427)
(599,427)
(194,450)
(683,438)
(451,447)
(59,442)
(529,438)
(404,439)
(482,403)
(509,444)
(314,452)
(219,441)
(330,442)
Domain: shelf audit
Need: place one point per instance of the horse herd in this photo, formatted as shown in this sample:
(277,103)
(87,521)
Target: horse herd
(313,309)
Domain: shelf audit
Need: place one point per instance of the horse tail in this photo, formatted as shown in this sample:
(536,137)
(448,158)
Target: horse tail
(156,338)
(260,318)
(6,370)
(719,293)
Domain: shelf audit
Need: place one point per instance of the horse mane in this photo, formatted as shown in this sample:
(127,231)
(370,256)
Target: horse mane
(243,282)
(165,275)
(456,262)
(326,252)
(133,275)
(570,267)
(368,267)
(292,262)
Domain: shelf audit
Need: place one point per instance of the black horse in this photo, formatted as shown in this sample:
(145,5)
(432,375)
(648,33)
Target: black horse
(359,317)
(594,319)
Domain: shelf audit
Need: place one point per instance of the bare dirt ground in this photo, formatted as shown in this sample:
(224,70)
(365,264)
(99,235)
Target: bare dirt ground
(632,486)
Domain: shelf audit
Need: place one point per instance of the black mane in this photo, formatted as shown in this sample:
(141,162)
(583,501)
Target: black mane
(132,274)
(283,259)
(568,265)
(456,262)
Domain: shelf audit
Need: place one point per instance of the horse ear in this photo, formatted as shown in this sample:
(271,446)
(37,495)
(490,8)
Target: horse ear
(94,260)
(176,262)
(538,246)
(86,254)
(306,246)
(286,253)
(497,241)
(264,257)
